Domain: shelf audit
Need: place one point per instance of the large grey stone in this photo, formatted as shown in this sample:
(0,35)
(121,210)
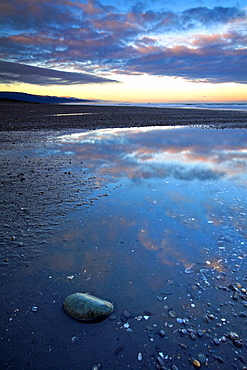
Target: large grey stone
(86,307)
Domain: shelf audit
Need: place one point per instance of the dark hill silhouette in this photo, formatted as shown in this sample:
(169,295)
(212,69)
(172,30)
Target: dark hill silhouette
(30,98)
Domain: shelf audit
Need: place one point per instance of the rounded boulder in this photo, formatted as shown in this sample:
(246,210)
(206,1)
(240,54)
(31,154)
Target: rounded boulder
(86,307)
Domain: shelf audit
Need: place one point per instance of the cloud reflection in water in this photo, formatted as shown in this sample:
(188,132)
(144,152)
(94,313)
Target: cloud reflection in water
(179,152)
(183,191)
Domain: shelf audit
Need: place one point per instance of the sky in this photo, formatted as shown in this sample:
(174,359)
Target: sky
(125,50)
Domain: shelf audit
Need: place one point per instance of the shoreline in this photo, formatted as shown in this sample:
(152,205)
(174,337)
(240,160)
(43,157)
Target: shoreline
(25,117)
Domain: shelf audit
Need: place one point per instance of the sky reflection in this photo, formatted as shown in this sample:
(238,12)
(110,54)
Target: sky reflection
(182,189)
(179,152)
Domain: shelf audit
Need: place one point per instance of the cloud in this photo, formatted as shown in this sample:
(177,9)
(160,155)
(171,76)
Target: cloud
(208,16)
(204,64)
(92,37)
(22,73)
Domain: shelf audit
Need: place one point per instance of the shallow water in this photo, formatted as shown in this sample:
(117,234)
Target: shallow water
(152,220)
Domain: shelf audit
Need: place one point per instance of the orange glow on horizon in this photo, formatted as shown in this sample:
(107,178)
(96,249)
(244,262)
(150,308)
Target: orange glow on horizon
(143,89)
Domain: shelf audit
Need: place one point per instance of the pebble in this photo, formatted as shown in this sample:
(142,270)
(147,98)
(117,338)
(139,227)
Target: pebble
(160,361)
(162,333)
(192,336)
(242,314)
(200,333)
(216,341)
(196,363)
(172,313)
(233,336)
(112,316)
(202,358)
(85,307)
(183,331)
(238,343)
(34,309)
(126,314)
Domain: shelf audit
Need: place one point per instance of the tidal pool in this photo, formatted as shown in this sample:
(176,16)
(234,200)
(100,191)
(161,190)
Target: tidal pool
(161,234)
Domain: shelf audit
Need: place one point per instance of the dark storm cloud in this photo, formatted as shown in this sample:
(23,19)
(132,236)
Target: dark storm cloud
(95,38)
(21,73)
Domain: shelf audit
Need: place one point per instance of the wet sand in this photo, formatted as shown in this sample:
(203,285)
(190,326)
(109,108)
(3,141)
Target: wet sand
(26,116)
(41,261)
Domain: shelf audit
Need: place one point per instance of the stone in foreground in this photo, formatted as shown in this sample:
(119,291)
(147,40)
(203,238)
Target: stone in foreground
(85,307)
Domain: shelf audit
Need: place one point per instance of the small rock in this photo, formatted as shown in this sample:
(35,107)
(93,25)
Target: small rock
(162,333)
(202,358)
(183,331)
(126,314)
(216,341)
(192,336)
(85,307)
(160,361)
(200,333)
(242,314)
(34,309)
(112,316)
(172,313)
(196,363)
(233,336)
(238,343)
(233,288)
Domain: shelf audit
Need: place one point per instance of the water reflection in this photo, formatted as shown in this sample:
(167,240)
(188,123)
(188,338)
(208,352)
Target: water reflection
(178,152)
(182,190)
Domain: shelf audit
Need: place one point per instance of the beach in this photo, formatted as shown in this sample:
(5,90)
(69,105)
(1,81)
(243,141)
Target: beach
(151,220)
(27,116)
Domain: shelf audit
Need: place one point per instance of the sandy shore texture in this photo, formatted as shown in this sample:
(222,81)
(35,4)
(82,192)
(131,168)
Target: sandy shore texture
(27,116)
(65,228)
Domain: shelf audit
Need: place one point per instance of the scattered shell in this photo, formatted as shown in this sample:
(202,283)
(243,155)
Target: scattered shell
(96,366)
(34,309)
(139,356)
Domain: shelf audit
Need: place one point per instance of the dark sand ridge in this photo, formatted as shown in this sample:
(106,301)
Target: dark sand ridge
(27,116)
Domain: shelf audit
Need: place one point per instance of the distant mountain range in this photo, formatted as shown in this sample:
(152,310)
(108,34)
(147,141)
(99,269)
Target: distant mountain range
(23,97)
